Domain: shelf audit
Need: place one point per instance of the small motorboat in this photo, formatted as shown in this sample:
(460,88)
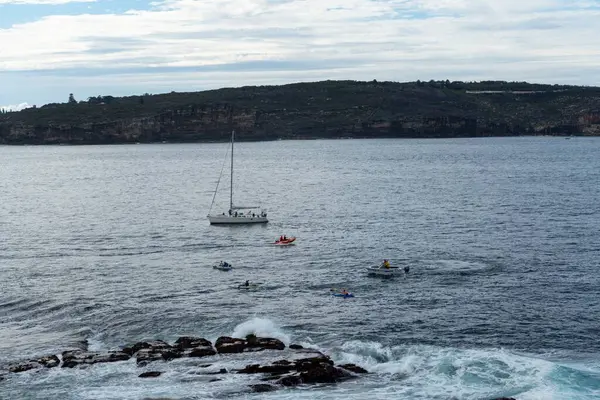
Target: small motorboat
(285,242)
(381,271)
(223,266)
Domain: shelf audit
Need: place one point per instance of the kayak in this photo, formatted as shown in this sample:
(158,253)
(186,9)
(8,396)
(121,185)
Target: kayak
(342,295)
(285,242)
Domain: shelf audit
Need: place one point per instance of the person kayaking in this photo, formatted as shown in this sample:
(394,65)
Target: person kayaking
(344,292)
(247,283)
(386,263)
(406,269)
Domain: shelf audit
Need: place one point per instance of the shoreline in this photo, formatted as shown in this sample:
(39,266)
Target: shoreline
(71,144)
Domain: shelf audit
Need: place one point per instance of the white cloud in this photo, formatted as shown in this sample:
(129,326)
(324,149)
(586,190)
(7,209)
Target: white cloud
(15,107)
(364,39)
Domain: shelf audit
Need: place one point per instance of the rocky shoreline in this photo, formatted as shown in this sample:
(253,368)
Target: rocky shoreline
(317,110)
(300,366)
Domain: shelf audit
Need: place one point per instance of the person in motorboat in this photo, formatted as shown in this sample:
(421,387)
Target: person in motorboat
(386,264)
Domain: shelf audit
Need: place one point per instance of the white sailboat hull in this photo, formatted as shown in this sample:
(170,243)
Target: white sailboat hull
(233,220)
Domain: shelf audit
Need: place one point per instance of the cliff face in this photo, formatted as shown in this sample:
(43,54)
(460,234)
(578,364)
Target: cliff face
(313,110)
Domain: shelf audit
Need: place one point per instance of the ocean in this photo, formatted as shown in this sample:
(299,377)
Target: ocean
(111,245)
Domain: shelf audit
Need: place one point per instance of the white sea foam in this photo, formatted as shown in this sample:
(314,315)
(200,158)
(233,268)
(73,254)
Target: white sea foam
(261,327)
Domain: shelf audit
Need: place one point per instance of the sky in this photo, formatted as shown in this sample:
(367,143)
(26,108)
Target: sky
(50,48)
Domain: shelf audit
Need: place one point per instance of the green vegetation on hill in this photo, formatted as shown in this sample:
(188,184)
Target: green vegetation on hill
(328,109)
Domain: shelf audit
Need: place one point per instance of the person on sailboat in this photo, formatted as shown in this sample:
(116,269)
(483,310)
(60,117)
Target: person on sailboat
(386,264)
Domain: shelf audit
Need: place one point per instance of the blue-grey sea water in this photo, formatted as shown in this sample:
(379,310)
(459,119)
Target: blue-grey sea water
(111,244)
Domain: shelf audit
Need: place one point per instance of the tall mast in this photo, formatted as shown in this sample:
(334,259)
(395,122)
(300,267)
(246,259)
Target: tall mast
(231,181)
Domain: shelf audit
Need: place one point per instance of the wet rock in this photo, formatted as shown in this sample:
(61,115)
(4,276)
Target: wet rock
(150,374)
(151,344)
(305,364)
(201,351)
(47,362)
(155,350)
(296,347)
(267,369)
(290,380)
(189,342)
(354,368)
(267,344)
(324,373)
(226,344)
(75,358)
(24,367)
(263,387)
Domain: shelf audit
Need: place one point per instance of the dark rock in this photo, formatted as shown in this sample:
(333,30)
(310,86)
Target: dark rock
(267,369)
(73,358)
(354,368)
(215,380)
(169,355)
(156,350)
(324,373)
(24,367)
(305,364)
(48,362)
(150,374)
(189,342)
(202,351)
(290,380)
(204,365)
(505,398)
(268,344)
(226,344)
(152,344)
(296,347)
(263,387)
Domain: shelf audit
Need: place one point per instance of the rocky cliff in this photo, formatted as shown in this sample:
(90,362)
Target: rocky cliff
(330,109)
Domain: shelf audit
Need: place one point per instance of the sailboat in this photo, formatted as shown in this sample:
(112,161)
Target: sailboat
(236,214)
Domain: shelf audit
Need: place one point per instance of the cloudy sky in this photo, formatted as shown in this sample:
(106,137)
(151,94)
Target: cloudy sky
(50,48)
